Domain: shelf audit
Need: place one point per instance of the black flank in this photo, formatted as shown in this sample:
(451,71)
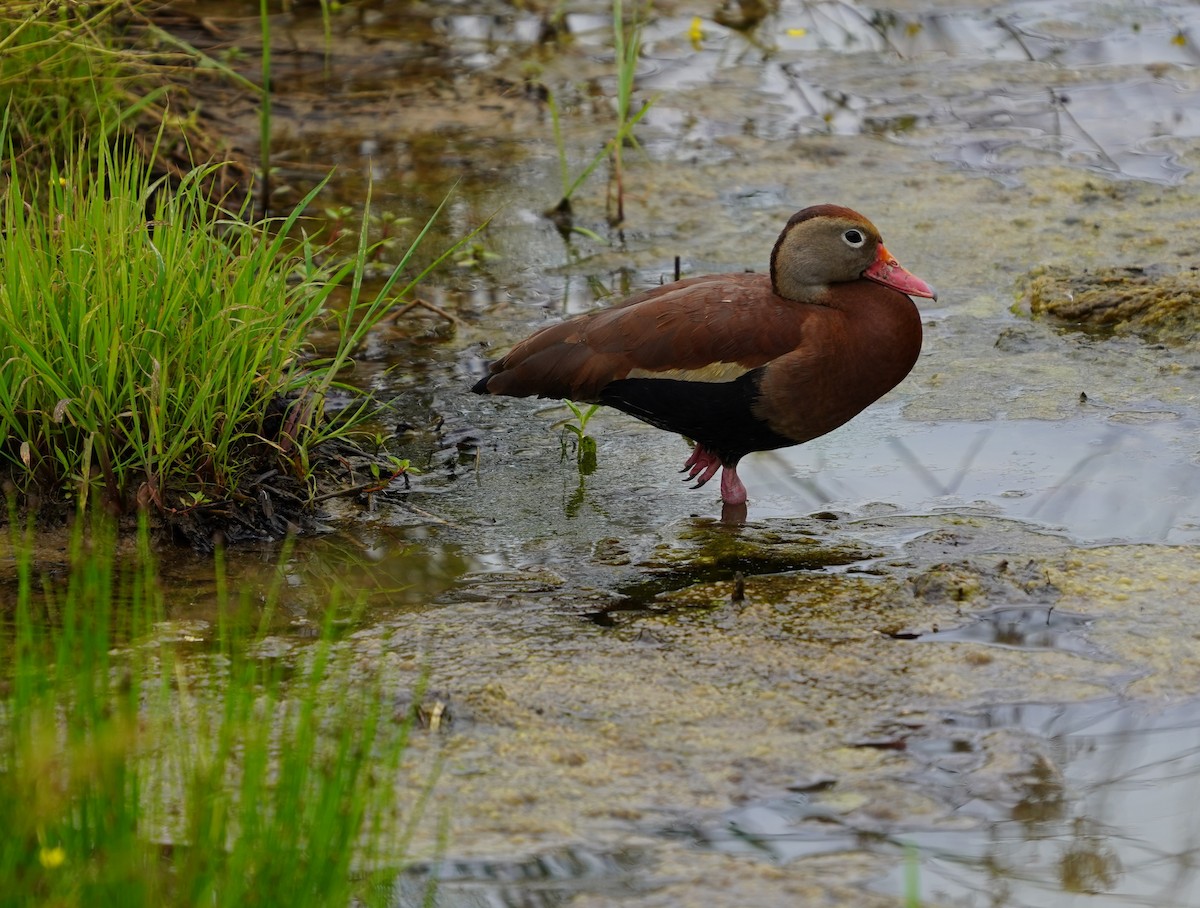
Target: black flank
(718,415)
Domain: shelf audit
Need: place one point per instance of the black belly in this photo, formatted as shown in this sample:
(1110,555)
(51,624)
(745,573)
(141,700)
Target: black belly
(718,415)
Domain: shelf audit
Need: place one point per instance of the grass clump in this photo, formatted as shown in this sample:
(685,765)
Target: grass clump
(144,356)
(137,774)
(155,350)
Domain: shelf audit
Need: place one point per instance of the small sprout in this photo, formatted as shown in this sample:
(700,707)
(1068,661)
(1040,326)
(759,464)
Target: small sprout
(581,416)
(381,438)
(475,256)
(585,445)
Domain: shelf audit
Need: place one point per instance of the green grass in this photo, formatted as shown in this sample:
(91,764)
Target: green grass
(154,345)
(143,356)
(155,353)
(136,773)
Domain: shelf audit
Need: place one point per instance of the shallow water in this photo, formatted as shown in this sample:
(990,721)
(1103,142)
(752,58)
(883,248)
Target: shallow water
(966,620)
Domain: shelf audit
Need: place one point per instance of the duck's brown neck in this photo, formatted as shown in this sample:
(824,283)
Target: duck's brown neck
(784,275)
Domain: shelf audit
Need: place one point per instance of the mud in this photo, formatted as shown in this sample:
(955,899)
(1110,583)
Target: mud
(704,722)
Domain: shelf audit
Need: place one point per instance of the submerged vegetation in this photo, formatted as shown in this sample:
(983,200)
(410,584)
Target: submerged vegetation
(140,770)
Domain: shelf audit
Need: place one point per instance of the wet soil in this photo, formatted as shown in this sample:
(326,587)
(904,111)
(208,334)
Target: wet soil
(825,713)
(964,622)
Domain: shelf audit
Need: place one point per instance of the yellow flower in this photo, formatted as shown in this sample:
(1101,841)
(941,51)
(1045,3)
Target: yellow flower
(696,32)
(797,32)
(52,858)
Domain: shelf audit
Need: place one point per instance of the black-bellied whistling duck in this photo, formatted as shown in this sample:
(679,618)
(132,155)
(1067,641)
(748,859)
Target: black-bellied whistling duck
(741,362)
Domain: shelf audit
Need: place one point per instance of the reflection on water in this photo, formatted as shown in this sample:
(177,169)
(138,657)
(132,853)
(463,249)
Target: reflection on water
(1096,808)
(1023,628)
(1088,125)
(965,93)
(388,569)
(1053,805)
(1106,819)
(1106,87)
(1094,477)
(544,880)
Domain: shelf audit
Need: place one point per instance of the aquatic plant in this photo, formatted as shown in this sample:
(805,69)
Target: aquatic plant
(140,771)
(585,445)
(626,49)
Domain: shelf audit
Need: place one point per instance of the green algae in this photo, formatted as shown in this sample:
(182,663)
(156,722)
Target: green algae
(1146,301)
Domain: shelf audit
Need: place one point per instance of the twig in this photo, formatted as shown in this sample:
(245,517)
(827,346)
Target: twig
(373,486)
(417,301)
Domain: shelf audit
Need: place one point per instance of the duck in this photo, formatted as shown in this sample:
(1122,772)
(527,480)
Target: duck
(745,361)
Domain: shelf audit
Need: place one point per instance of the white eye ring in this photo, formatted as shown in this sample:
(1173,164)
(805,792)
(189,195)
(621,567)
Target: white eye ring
(854,238)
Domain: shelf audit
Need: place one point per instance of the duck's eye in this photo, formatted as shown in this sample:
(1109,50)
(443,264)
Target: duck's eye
(854,238)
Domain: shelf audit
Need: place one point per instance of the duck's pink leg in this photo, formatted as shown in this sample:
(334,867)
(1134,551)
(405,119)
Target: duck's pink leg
(703,465)
(732,490)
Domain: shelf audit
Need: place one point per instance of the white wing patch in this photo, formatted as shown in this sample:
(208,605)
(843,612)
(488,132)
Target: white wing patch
(713,372)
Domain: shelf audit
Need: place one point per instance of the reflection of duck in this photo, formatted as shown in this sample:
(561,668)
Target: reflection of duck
(741,362)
